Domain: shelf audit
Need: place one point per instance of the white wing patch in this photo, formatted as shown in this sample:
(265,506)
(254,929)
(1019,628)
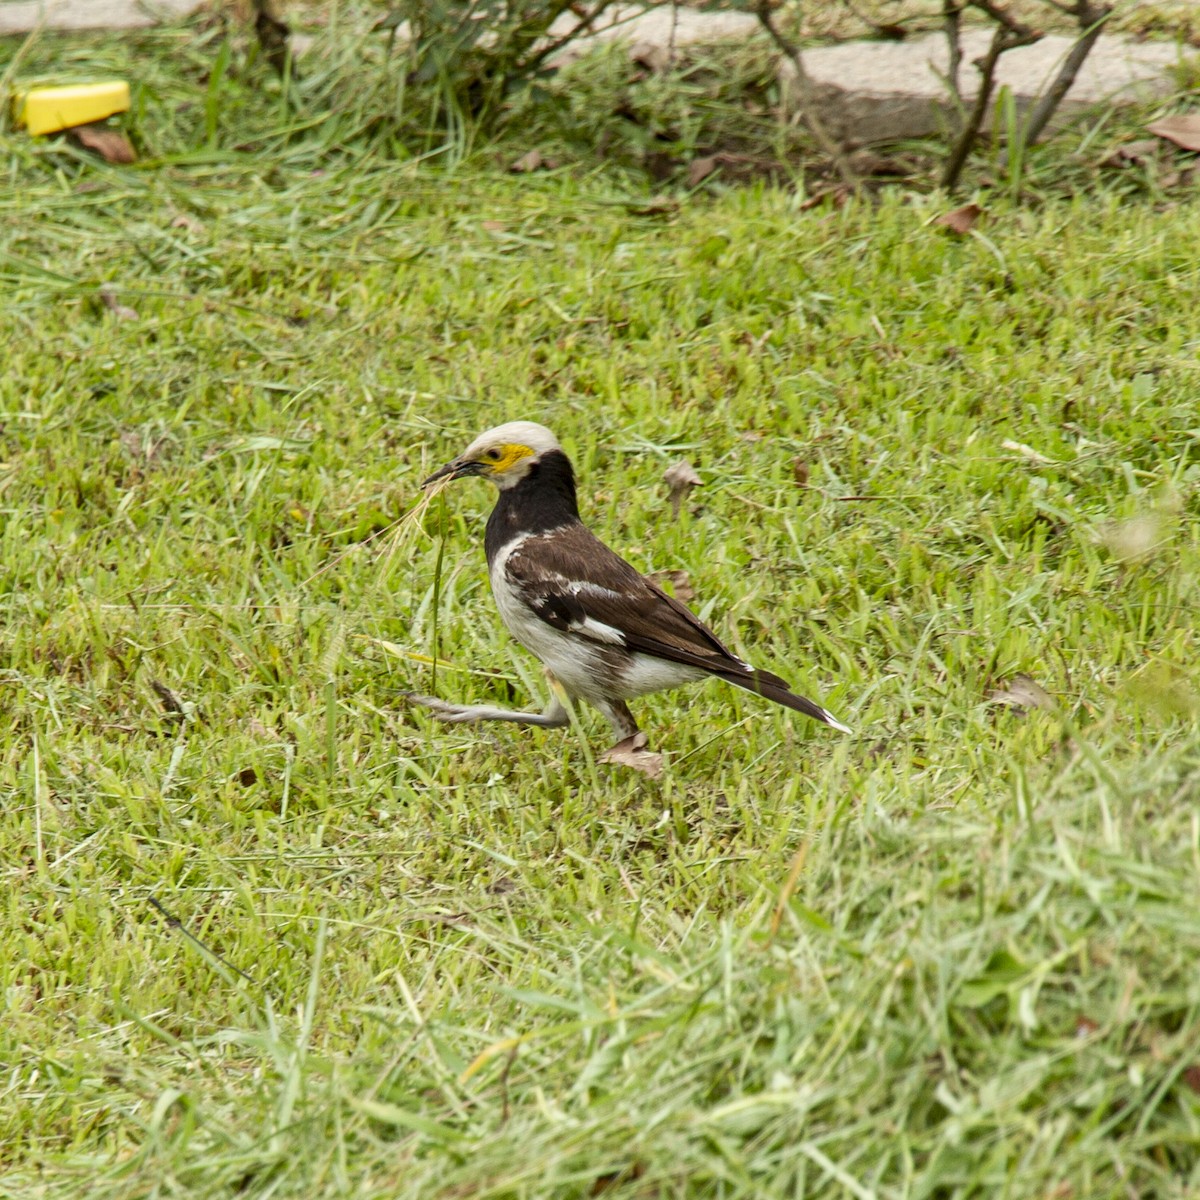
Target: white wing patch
(598,631)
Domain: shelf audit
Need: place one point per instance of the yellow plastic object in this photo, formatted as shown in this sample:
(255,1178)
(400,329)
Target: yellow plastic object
(47,110)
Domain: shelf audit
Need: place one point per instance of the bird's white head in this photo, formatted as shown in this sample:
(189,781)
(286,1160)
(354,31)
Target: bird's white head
(504,454)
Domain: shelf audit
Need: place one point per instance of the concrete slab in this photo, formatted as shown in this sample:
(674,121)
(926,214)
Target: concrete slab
(886,91)
(869,91)
(29,15)
(661,28)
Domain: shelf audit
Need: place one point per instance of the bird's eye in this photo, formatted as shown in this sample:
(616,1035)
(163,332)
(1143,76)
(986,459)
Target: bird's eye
(492,455)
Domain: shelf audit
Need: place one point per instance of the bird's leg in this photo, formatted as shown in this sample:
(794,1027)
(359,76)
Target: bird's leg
(631,750)
(554,716)
(620,718)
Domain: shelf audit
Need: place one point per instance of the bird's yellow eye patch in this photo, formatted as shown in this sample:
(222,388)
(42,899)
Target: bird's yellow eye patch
(500,458)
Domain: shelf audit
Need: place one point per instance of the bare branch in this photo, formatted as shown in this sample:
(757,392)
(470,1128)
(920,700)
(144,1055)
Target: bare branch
(1006,21)
(1009,34)
(807,96)
(1092,22)
(952,14)
(586,17)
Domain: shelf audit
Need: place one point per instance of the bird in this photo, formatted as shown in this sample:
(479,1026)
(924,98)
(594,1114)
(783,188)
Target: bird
(603,631)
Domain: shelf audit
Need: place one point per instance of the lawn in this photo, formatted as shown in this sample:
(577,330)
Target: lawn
(272,932)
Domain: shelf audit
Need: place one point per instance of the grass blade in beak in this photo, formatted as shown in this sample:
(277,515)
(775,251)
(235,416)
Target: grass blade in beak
(442,473)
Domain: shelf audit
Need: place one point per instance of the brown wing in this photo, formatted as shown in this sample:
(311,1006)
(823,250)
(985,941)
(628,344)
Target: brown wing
(574,582)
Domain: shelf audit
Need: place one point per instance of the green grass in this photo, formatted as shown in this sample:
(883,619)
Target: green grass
(953,955)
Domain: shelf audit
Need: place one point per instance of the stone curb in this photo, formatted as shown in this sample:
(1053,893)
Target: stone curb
(869,91)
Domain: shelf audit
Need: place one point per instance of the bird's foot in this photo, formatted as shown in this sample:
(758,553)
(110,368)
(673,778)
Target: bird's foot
(632,752)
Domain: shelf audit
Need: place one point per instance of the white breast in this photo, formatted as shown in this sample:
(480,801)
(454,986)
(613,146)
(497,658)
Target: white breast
(576,665)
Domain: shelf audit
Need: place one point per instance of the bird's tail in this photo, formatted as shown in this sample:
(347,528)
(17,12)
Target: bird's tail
(763,683)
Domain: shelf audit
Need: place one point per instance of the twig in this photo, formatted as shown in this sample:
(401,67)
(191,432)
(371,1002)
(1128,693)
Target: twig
(175,923)
(1005,20)
(807,96)
(1009,34)
(952,15)
(1091,22)
(586,19)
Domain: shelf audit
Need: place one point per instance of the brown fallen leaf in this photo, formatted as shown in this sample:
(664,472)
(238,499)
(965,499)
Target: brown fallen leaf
(1132,154)
(532,160)
(170,702)
(835,197)
(700,169)
(1021,694)
(1183,130)
(656,206)
(111,144)
(632,752)
(960,220)
(108,297)
(680,581)
(680,478)
(1173,179)
(800,472)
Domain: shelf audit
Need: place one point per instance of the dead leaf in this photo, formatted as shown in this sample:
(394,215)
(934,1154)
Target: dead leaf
(656,206)
(836,197)
(610,1179)
(1173,179)
(800,472)
(493,226)
(960,220)
(111,144)
(680,581)
(533,160)
(142,447)
(632,752)
(1132,154)
(170,702)
(108,297)
(1183,130)
(680,478)
(1021,694)
(700,169)
(185,221)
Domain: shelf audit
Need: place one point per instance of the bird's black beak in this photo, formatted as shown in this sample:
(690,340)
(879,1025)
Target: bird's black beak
(458,469)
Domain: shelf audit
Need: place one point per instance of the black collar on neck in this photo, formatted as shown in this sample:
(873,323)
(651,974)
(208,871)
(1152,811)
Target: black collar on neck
(543,500)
